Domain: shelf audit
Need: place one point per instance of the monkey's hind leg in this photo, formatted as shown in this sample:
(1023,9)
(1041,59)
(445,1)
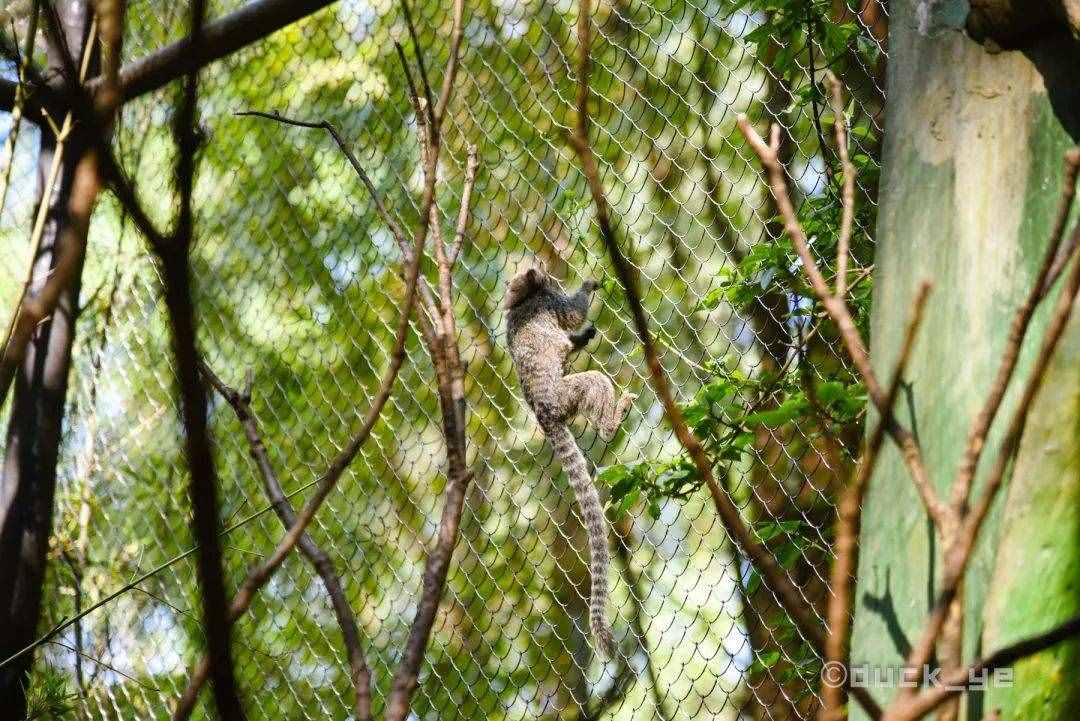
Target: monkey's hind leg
(594,394)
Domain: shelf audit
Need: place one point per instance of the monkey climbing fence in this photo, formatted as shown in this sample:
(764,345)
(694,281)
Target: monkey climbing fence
(296,280)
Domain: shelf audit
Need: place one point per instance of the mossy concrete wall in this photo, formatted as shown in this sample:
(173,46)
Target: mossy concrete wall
(971,179)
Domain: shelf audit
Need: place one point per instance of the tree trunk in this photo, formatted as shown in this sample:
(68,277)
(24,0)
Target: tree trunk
(971,180)
(28,483)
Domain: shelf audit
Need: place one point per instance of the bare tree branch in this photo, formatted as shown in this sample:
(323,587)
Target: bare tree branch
(848,523)
(980,425)
(956,682)
(174,256)
(790,597)
(240,402)
(449,372)
(847,201)
(767,153)
(258,576)
(421,69)
(471,164)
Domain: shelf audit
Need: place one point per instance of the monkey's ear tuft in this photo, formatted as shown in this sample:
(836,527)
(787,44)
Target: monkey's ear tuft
(522,285)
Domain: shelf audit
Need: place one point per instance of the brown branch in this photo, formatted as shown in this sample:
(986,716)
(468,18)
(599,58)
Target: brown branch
(240,402)
(426,297)
(471,164)
(837,309)
(425,84)
(445,257)
(449,372)
(221,38)
(174,261)
(960,551)
(847,217)
(848,523)
(452,65)
(955,682)
(789,596)
(258,577)
(980,425)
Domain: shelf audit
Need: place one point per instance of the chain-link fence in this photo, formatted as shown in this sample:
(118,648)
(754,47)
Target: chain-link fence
(297,280)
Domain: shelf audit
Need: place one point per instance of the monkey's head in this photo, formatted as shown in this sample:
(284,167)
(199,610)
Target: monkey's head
(526,283)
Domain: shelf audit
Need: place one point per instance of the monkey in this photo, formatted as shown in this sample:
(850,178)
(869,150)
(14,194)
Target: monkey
(544,326)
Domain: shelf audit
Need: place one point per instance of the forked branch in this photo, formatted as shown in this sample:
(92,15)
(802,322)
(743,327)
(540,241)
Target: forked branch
(240,402)
(258,576)
(956,524)
(791,597)
(768,154)
(438,328)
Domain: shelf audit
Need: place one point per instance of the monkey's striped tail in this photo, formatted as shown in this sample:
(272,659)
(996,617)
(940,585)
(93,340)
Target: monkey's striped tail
(573,462)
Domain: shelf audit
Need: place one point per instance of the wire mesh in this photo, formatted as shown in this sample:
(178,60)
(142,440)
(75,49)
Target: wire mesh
(296,279)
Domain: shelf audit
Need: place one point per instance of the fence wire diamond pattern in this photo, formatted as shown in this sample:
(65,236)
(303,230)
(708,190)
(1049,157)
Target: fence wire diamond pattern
(296,281)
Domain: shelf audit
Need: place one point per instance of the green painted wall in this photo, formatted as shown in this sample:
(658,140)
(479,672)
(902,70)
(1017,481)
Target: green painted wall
(972,168)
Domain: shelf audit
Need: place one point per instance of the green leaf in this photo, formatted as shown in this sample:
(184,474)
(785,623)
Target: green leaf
(769,659)
(787,411)
(768,530)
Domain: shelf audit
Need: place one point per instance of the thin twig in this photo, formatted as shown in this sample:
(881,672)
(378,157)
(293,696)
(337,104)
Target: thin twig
(258,576)
(450,76)
(471,164)
(790,597)
(980,425)
(848,522)
(426,298)
(419,63)
(837,309)
(240,402)
(958,680)
(847,205)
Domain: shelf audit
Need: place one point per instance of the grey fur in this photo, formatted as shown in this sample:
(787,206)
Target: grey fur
(544,327)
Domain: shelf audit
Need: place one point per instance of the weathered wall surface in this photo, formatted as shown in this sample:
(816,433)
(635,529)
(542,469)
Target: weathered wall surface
(972,171)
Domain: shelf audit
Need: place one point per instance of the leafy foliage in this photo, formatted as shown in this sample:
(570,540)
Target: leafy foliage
(296,279)
(812,390)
